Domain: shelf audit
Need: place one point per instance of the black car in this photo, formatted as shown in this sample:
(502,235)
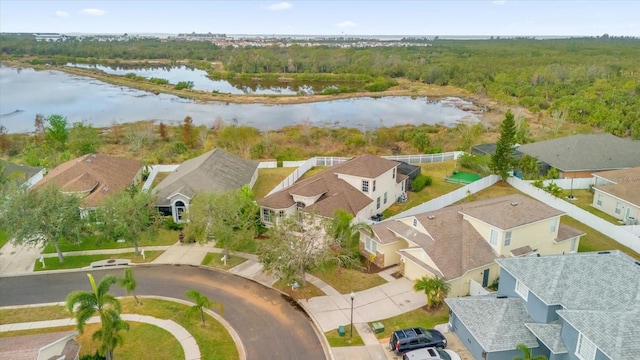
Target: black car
(402,341)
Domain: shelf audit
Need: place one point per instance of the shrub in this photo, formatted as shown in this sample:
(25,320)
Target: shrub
(476,163)
(169,224)
(159,81)
(420,182)
(184,85)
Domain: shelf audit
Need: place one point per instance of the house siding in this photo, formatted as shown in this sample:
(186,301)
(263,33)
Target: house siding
(460,286)
(384,183)
(538,310)
(570,337)
(609,205)
(466,338)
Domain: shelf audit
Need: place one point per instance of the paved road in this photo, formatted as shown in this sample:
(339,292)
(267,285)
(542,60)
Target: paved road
(269,326)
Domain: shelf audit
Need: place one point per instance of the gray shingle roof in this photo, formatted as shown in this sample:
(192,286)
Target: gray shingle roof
(586,152)
(214,171)
(617,334)
(497,324)
(549,334)
(23,172)
(589,281)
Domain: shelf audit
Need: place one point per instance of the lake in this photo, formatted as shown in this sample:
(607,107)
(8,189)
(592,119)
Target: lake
(100,104)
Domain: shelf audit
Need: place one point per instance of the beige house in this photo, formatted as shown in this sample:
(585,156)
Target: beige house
(461,242)
(617,193)
(363,186)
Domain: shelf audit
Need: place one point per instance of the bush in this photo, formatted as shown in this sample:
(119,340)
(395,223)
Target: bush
(169,224)
(420,182)
(476,163)
(184,85)
(159,81)
(95,356)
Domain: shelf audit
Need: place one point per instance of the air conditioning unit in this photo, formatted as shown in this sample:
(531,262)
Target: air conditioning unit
(631,220)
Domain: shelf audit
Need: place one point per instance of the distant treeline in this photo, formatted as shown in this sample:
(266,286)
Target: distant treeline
(594,81)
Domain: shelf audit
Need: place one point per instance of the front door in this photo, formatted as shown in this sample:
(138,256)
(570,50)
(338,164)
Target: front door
(627,213)
(485,278)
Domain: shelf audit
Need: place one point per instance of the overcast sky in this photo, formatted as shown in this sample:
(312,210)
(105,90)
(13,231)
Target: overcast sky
(417,17)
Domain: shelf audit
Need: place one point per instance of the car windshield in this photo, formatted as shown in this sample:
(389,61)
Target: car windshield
(428,335)
(443,354)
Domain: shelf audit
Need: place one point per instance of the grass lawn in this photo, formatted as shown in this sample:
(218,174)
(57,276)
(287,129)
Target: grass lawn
(159,177)
(417,317)
(305,292)
(584,199)
(594,240)
(439,187)
(214,341)
(335,340)
(268,179)
(214,260)
(162,237)
(139,336)
(4,238)
(313,171)
(75,262)
(347,280)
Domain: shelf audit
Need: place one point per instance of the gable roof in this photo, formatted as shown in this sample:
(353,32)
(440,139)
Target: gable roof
(94,176)
(626,184)
(496,323)
(586,152)
(550,335)
(333,193)
(563,280)
(213,171)
(621,176)
(22,171)
(507,212)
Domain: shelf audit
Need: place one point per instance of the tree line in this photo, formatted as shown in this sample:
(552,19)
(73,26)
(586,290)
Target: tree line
(595,80)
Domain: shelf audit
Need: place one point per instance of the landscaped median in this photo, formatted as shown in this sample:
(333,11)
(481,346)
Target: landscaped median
(51,261)
(215,339)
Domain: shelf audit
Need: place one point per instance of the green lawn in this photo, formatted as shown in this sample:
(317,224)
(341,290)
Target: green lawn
(335,340)
(4,238)
(304,292)
(75,262)
(583,199)
(94,242)
(214,341)
(214,260)
(268,179)
(418,317)
(347,280)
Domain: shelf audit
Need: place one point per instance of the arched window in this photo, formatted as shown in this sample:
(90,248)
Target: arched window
(180,208)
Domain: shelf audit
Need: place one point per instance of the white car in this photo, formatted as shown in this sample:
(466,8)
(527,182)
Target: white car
(431,353)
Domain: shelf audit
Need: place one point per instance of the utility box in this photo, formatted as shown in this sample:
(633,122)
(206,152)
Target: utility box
(377,327)
(341,330)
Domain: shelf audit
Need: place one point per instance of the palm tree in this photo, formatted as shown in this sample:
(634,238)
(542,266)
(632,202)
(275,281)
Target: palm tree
(84,304)
(202,302)
(128,283)
(346,233)
(436,289)
(526,354)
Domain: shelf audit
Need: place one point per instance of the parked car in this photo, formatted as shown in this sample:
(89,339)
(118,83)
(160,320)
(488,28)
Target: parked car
(405,340)
(431,353)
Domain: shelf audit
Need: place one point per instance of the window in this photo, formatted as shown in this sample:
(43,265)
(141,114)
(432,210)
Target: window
(393,174)
(266,215)
(618,208)
(370,245)
(374,185)
(585,349)
(494,237)
(415,222)
(599,200)
(554,224)
(385,197)
(507,238)
(573,245)
(522,290)
(378,203)
(365,186)
(281,213)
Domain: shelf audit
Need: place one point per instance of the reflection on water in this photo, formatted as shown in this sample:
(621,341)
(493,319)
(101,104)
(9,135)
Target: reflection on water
(85,99)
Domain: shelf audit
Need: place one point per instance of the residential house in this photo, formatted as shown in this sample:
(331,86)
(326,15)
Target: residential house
(214,171)
(460,243)
(46,346)
(617,193)
(363,186)
(566,307)
(579,156)
(24,174)
(94,177)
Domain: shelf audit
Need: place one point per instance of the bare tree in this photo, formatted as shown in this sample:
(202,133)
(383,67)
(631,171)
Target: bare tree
(559,118)
(139,134)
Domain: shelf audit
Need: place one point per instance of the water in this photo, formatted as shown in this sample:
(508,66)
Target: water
(101,104)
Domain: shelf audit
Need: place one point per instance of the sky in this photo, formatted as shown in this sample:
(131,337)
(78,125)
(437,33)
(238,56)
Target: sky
(337,17)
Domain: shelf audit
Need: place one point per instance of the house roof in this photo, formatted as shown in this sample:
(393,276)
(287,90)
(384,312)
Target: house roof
(566,232)
(586,152)
(614,333)
(21,171)
(95,176)
(549,334)
(27,347)
(496,323)
(490,149)
(572,280)
(621,176)
(509,211)
(334,193)
(629,192)
(213,171)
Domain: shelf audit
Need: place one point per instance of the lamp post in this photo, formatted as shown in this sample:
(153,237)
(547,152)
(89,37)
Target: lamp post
(352,297)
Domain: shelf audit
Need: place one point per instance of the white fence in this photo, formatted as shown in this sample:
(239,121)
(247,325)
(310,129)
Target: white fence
(617,233)
(450,198)
(580,183)
(267,165)
(155,169)
(304,166)
(476,289)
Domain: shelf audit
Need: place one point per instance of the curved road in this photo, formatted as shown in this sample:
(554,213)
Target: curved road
(269,326)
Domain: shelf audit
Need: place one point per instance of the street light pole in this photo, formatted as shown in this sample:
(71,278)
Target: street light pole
(352,297)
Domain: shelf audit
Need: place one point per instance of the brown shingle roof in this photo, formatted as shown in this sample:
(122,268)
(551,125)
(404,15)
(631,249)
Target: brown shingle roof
(213,171)
(566,232)
(336,193)
(509,211)
(96,174)
(628,191)
(622,176)
(27,347)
